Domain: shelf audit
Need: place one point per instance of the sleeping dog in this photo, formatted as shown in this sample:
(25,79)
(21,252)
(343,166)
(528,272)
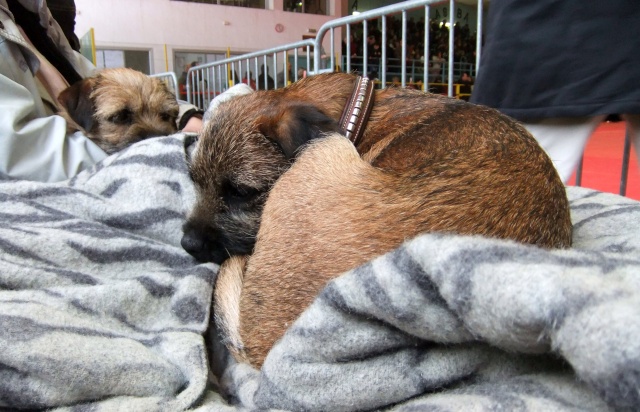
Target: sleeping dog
(119,107)
(295,203)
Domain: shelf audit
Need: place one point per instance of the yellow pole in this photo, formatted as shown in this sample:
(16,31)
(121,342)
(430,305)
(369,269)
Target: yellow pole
(166,59)
(93,47)
(229,76)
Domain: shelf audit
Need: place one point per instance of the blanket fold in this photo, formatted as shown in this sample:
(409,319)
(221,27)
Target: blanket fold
(444,314)
(102,310)
(98,301)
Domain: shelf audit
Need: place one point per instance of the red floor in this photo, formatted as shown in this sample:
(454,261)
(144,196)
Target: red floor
(603,162)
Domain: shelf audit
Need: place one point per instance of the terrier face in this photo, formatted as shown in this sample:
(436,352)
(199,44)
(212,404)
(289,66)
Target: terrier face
(243,150)
(119,107)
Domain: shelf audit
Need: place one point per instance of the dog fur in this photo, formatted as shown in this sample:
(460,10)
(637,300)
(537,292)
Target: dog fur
(119,107)
(272,160)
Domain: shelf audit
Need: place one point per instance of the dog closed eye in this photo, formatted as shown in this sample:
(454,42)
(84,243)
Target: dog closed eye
(167,117)
(235,193)
(123,117)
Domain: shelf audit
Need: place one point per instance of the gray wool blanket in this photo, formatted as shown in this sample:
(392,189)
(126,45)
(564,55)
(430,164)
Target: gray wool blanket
(101,310)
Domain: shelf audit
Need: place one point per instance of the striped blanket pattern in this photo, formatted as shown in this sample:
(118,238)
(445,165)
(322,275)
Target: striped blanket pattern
(101,310)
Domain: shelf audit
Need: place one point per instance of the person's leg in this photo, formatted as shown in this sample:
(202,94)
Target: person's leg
(564,140)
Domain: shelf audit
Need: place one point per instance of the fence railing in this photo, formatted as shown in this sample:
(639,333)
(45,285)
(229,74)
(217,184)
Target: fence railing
(414,70)
(206,81)
(343,28)
(170,80)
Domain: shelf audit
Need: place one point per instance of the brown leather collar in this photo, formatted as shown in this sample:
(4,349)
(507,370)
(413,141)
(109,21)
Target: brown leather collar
(356,111)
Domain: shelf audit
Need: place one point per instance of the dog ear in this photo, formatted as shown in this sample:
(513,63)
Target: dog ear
(76,100)
(294,125)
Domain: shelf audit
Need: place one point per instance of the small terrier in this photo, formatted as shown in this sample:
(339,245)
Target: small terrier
(119,107)
(295,204)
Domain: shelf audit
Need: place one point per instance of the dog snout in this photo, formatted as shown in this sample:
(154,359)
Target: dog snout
(202,245)
(192,243)
(146,133)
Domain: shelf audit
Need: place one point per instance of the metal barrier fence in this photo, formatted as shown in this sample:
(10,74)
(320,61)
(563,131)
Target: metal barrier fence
(342,28)
(206,81)
(414,69)
(626,153)
(170,80)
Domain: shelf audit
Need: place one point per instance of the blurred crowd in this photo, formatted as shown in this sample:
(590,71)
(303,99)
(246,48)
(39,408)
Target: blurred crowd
(464,40)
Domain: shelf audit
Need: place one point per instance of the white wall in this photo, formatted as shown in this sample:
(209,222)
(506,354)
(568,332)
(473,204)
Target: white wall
(182,26)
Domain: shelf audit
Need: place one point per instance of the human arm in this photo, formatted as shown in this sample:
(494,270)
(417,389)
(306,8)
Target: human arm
(34,143)
(36,147)
(194,125)
(189,118)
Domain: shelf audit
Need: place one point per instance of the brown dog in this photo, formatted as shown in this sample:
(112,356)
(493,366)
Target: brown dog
(119,107)
(425,163)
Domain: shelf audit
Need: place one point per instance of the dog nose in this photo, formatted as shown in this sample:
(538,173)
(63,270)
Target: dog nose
(207,244)
(192,243)
(151,132)
(202,245)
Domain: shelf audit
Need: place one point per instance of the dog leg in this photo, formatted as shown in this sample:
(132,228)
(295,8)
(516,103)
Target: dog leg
(227,304)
